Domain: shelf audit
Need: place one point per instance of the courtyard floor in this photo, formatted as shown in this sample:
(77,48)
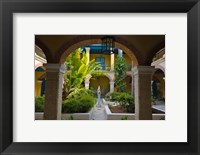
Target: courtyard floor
(98,113)
(160,105)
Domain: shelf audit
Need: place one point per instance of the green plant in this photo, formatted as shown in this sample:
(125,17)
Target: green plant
(127,101)
(124,99)
(120,69)
(81,104)
(87,102)
(80,68)
(70,106)
(39,103)
(115,96)
(107,96)
(124,118)
(90,92)
(71,117)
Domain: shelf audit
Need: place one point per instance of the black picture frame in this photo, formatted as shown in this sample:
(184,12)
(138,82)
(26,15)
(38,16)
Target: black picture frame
(8,7)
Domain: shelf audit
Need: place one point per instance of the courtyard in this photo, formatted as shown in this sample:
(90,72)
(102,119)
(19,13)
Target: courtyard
(99,77)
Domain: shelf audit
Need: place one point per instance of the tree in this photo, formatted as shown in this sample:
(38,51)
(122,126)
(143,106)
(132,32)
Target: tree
(80,68)
(120,69)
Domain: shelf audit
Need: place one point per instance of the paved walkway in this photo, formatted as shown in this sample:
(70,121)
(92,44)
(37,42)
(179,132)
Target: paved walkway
(98,113)
(160,105)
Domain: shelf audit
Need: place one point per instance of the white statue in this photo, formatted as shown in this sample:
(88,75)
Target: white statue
(99,96)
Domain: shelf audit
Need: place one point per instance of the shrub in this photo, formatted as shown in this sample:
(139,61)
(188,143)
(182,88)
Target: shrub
(78,105)
(87,102)
(107,97)
(115,96)
(39,103)
(120,69)
(70,106)
(84,91)
(90,92)
(125,100)
(124,118)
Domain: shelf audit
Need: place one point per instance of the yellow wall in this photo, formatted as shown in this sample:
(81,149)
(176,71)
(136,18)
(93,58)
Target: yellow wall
(38,84)
(104,83)
(106,56)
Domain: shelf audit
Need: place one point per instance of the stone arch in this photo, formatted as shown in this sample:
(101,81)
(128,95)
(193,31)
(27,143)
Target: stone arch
(40,65)
(79,41)
(129,74)
(160,67)
(158,84)
(103,82)
(152,53)
(45,50)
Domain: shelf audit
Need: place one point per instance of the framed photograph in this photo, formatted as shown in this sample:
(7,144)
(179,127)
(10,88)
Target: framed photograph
(99,77)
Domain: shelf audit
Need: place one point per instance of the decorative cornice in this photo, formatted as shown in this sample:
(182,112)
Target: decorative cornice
(39,58)
(55,68)
(157,62)
(143,70)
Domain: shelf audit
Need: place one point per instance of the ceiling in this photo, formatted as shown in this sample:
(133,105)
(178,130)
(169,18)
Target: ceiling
(145,45)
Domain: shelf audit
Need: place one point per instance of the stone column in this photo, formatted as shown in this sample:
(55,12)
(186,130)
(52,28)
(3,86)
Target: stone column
(132,85)
(132,81)
(112,61)
(88,54)
(112,86)
(87,83)
(53,92)
(142,80)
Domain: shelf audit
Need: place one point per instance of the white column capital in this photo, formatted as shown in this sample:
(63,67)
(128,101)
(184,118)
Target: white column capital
(55,68)
(112,82)
(87,49)
(87,82)
(143,70)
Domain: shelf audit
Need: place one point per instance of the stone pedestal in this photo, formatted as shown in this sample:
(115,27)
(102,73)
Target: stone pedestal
(112,86)
(142,85)
(53,92)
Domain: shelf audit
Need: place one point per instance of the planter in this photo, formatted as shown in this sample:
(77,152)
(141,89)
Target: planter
(131,116)
(107,102)
(117,116)
(68,116)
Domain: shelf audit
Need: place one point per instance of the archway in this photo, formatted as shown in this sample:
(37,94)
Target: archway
(103,82)
(80,41)
(158,85)
(44,49)
(142,111)
(40,81)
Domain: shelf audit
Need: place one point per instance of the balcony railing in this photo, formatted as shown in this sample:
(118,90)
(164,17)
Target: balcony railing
(108,68)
